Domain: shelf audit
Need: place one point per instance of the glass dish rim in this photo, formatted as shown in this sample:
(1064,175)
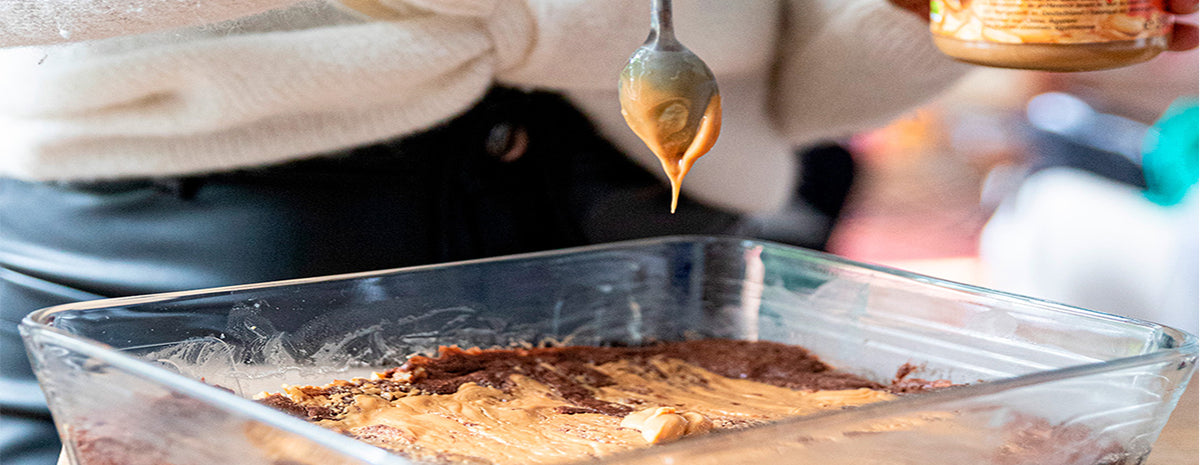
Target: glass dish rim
(40,321)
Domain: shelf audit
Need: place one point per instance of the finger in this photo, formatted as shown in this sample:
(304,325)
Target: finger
(919,7)
(1183,38)
(1182,7)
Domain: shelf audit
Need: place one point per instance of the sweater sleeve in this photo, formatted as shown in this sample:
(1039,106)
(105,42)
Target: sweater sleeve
(850,65)
(43,22)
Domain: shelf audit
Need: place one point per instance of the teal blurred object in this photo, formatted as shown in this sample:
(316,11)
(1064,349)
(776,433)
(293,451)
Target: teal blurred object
(1172,152)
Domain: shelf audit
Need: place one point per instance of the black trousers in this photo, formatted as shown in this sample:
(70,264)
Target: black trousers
(519,172)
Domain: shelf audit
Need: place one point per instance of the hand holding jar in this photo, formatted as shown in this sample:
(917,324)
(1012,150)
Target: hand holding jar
(1057,35)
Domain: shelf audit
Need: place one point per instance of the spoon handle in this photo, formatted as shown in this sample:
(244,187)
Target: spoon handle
(662,27)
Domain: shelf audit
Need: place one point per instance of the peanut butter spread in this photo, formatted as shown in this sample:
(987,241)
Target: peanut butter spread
(672,103)
(565,404)
(662,122)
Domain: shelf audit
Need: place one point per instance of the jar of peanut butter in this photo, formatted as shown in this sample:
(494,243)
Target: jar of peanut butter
(1051,35)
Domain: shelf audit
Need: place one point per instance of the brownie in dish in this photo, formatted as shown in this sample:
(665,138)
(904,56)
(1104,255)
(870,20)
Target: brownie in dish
(562,404)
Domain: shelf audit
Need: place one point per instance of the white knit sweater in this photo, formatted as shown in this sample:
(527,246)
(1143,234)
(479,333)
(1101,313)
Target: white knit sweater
(105,89)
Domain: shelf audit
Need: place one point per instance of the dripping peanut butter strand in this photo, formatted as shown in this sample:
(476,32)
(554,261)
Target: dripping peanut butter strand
(670,127)
(706,137)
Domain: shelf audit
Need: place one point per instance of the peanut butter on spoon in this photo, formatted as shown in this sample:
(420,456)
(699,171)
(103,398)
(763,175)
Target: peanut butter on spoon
(669,98)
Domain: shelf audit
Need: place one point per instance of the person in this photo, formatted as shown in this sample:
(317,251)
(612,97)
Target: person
(157,145)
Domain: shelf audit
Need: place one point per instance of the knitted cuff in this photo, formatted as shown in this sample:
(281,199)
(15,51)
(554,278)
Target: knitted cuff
(507,22)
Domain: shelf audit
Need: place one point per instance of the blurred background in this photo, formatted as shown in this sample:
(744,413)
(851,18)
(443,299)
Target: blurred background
(1077,188)
(1069,187)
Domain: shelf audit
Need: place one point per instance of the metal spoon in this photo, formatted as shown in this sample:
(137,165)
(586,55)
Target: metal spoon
(669,98)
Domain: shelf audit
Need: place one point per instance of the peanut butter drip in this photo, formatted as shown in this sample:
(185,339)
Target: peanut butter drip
(531,422)
(672,125)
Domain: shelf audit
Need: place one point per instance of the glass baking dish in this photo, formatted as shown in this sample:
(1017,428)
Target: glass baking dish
(166,378)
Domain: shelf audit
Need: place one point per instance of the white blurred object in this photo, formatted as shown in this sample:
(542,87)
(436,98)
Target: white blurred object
(1071,118)
(1081,239)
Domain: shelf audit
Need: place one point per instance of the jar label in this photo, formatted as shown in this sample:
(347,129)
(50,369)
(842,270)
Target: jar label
(1049,21)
